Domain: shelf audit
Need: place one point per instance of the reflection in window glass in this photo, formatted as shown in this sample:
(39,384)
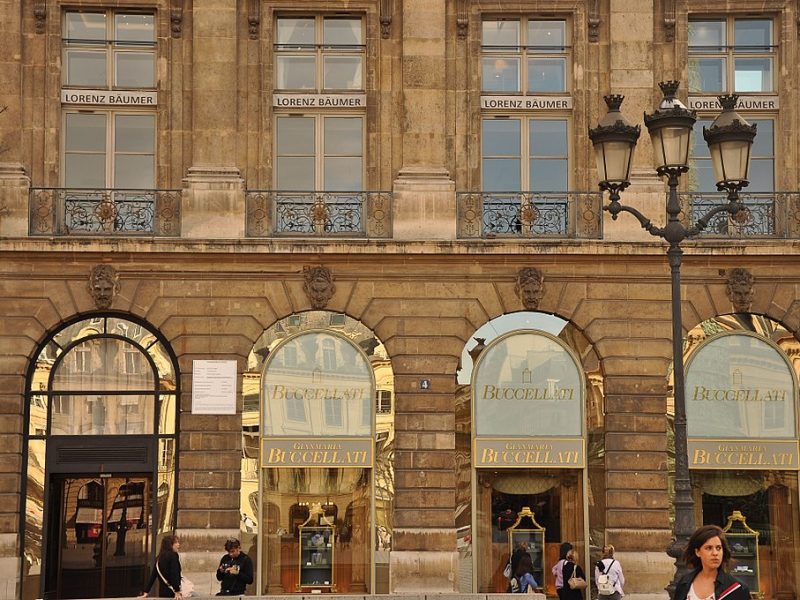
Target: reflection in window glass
(296,72)
(707,74)
(501,160)
(86,68)
(753,34)
(295,32)
(333,412)
(708,35)
(341,32)
(547,75)
(543,35)
(343,149)
(134,28)
(500,74)
(753,74)
(135,69)
(500,33)
(342,72)
(109,414)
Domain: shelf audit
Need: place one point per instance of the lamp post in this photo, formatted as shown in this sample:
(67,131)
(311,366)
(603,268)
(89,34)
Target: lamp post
(729,138)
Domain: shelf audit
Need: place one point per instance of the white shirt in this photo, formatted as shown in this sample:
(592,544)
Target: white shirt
(614,574)
(692,595)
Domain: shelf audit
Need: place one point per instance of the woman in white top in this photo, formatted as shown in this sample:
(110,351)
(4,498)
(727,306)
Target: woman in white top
(610,566)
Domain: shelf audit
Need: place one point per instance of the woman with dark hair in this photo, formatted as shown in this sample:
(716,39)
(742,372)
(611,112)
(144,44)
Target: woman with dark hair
(167,570)
(709,555)
(558,568)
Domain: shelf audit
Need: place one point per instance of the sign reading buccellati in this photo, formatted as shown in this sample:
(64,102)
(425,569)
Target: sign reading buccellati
(749,455)
(316,452)
(541,452)
(527,390)
(740,405)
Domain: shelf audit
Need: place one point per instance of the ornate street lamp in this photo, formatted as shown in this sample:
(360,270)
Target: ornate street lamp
(729,138)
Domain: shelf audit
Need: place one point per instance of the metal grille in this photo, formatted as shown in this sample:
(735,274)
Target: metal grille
(767,215)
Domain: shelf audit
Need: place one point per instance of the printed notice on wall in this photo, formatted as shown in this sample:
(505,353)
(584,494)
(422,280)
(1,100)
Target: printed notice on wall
(214,387)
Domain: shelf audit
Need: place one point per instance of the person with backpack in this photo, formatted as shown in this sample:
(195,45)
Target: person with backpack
(608,576)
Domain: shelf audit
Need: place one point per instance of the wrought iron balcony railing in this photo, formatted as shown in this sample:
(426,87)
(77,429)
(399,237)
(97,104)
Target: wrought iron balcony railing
(773,215)
(560,215)
(319,213)
(72,211)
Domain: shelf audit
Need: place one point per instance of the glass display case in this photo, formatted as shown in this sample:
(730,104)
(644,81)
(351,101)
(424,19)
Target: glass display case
(526,534)
(744,549)
(317,543)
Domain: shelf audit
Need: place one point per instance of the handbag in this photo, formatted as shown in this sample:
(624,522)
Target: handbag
(575,582)
(187,587)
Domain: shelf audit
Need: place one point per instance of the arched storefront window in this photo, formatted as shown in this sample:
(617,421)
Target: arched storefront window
(528,448)
(741,408)
(100,474)
(319,437)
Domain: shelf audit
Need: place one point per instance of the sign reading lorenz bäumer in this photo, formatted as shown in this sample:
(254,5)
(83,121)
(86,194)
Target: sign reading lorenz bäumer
(741,393)
(107,97)
(527,390)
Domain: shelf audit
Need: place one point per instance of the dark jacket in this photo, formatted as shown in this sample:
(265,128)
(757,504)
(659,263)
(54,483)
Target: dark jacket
(726,587)
(566,592)
(170,566)
(234,584)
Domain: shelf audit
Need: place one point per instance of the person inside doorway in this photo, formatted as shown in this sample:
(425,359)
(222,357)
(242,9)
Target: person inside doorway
(235,571)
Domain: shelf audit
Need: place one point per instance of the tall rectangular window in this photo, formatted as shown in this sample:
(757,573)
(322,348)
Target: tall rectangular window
(524,154)
(731,55)
(524,56)
(111,149)
(109,50)
(321,54)
(319,152)
(762,158)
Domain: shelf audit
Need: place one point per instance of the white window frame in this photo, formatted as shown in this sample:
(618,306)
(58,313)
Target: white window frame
(525,155)
(319,145)
(110,46)
(524,51)
(110,145)
(730,52)
(319,51)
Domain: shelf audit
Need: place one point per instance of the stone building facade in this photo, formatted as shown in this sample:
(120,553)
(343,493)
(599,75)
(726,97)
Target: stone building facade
(190,184)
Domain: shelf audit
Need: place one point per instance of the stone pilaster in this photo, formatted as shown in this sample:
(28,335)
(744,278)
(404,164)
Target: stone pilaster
(424,201)
(13,181)
(213,200)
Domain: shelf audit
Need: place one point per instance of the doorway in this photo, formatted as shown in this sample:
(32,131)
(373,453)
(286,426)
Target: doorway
(100,536)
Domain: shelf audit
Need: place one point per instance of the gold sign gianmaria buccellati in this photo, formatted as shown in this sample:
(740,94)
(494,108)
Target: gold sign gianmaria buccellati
(565,453)
(317,452)
(740,455)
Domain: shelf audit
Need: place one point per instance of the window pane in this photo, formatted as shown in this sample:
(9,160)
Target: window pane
(548,175)
(134,28)
(548,137)
(341,32)
(701,175)
(295,135)
(343,136)
(85,132)
(550,34)
(707,74)
(295,173)
(109,414)
(135,69)
(296,73)
(762,175)
(709,35)
(134,171)
(342,72)
(754,35)
(500,33)
(134,133)
(699,146)
(501,137)
(343,174)
(501,175)
(500,74)
(295,31)
(86,68)
(547,75)
(753,74)
(763,145)
(85,170)
(85,26)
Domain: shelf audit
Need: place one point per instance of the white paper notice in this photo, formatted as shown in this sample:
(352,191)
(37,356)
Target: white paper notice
(214,387)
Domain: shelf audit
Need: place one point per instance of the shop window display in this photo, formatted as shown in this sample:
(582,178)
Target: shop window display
(744,466)
(322,520)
